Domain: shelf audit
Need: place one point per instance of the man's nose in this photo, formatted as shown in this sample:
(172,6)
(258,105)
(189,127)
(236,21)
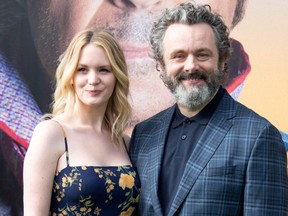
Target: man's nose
(190,64)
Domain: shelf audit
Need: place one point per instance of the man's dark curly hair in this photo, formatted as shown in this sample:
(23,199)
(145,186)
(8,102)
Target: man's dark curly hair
(188,13)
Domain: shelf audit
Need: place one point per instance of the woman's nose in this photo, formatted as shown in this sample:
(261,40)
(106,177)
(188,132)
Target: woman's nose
(93,78)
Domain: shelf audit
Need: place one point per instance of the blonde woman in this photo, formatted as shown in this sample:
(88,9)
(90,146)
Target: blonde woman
(77,162)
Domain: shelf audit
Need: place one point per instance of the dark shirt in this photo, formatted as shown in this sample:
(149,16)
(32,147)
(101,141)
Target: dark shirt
(181,140)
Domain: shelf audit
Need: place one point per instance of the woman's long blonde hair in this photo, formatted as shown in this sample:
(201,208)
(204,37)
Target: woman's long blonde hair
(118,109)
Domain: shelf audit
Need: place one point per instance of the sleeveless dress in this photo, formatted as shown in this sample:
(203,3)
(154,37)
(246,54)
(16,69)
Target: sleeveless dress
(95,190)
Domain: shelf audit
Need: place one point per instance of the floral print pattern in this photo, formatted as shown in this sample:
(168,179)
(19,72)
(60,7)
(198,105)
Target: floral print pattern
(91,190)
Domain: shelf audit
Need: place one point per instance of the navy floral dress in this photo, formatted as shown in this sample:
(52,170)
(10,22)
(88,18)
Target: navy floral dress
(90,190)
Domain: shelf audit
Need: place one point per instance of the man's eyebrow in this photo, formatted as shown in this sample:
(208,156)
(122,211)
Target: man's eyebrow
(204,49)
(177,51)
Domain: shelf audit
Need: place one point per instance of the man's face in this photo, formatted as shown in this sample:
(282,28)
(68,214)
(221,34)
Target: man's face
(191,72)
(54,23)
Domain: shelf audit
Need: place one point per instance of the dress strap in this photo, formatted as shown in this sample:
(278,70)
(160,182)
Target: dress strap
(125,145)
(65,141)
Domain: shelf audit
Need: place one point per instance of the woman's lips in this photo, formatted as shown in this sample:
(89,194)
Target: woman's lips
(93,92)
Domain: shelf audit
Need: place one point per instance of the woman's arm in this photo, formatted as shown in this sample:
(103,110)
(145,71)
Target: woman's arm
(40,163)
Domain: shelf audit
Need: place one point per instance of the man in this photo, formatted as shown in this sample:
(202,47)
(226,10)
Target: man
(207,154)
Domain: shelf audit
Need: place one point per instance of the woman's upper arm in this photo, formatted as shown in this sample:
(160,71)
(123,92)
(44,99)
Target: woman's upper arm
(40,166)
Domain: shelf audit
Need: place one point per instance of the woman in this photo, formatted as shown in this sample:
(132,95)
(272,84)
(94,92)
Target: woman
(77,162)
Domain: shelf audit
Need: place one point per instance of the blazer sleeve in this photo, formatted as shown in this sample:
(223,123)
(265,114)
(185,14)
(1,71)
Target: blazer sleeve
(266,190)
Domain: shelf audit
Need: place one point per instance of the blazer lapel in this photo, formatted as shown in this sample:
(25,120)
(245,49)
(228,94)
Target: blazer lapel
(208,143)
(155,158)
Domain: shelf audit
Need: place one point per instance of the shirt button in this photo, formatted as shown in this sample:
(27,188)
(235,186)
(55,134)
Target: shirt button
(183,137)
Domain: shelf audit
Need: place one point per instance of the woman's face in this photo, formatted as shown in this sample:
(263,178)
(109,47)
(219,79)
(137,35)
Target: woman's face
(94,80)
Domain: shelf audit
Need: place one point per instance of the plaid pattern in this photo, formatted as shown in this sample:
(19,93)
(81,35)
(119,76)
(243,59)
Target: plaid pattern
(285,139)
(19,114)
(237,168)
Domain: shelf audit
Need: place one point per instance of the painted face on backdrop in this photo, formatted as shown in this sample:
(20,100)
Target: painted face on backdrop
(54,23)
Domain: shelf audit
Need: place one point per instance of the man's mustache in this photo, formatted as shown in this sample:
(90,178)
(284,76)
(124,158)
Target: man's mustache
(194,75)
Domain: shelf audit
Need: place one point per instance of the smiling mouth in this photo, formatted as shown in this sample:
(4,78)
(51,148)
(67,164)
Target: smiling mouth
(191,78)
(194,76)
(94,91)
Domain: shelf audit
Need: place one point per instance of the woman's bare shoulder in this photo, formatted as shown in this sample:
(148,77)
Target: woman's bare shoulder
(49,127)
(48,132)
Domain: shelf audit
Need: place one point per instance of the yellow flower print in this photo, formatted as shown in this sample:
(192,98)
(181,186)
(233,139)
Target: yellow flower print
(137,199)
(126,181)
(64,179)
(97,211)
(83,209)
(110,188)
(73,208)
(129,211)
(69,179)
(57,187)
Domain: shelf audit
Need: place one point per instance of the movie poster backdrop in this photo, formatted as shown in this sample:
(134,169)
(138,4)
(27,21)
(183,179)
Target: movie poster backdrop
(34,33)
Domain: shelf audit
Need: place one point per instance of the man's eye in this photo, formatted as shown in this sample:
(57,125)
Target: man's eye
(178,56)
(203,56)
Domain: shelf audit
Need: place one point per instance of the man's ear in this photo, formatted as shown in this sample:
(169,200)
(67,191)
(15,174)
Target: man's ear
(224,69)
(224,65)
(159,68)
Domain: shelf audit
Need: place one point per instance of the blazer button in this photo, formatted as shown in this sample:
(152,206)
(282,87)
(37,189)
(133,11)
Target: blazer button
(183,137)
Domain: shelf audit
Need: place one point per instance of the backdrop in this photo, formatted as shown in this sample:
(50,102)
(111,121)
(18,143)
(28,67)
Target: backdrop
(34,33)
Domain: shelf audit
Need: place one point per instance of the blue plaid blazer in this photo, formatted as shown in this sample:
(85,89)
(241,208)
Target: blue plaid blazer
(238,166)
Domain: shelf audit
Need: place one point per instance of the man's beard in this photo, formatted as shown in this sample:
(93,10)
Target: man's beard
(194,97)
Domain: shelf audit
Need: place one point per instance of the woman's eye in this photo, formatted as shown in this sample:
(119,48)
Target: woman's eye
(81,69)
(105,70)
